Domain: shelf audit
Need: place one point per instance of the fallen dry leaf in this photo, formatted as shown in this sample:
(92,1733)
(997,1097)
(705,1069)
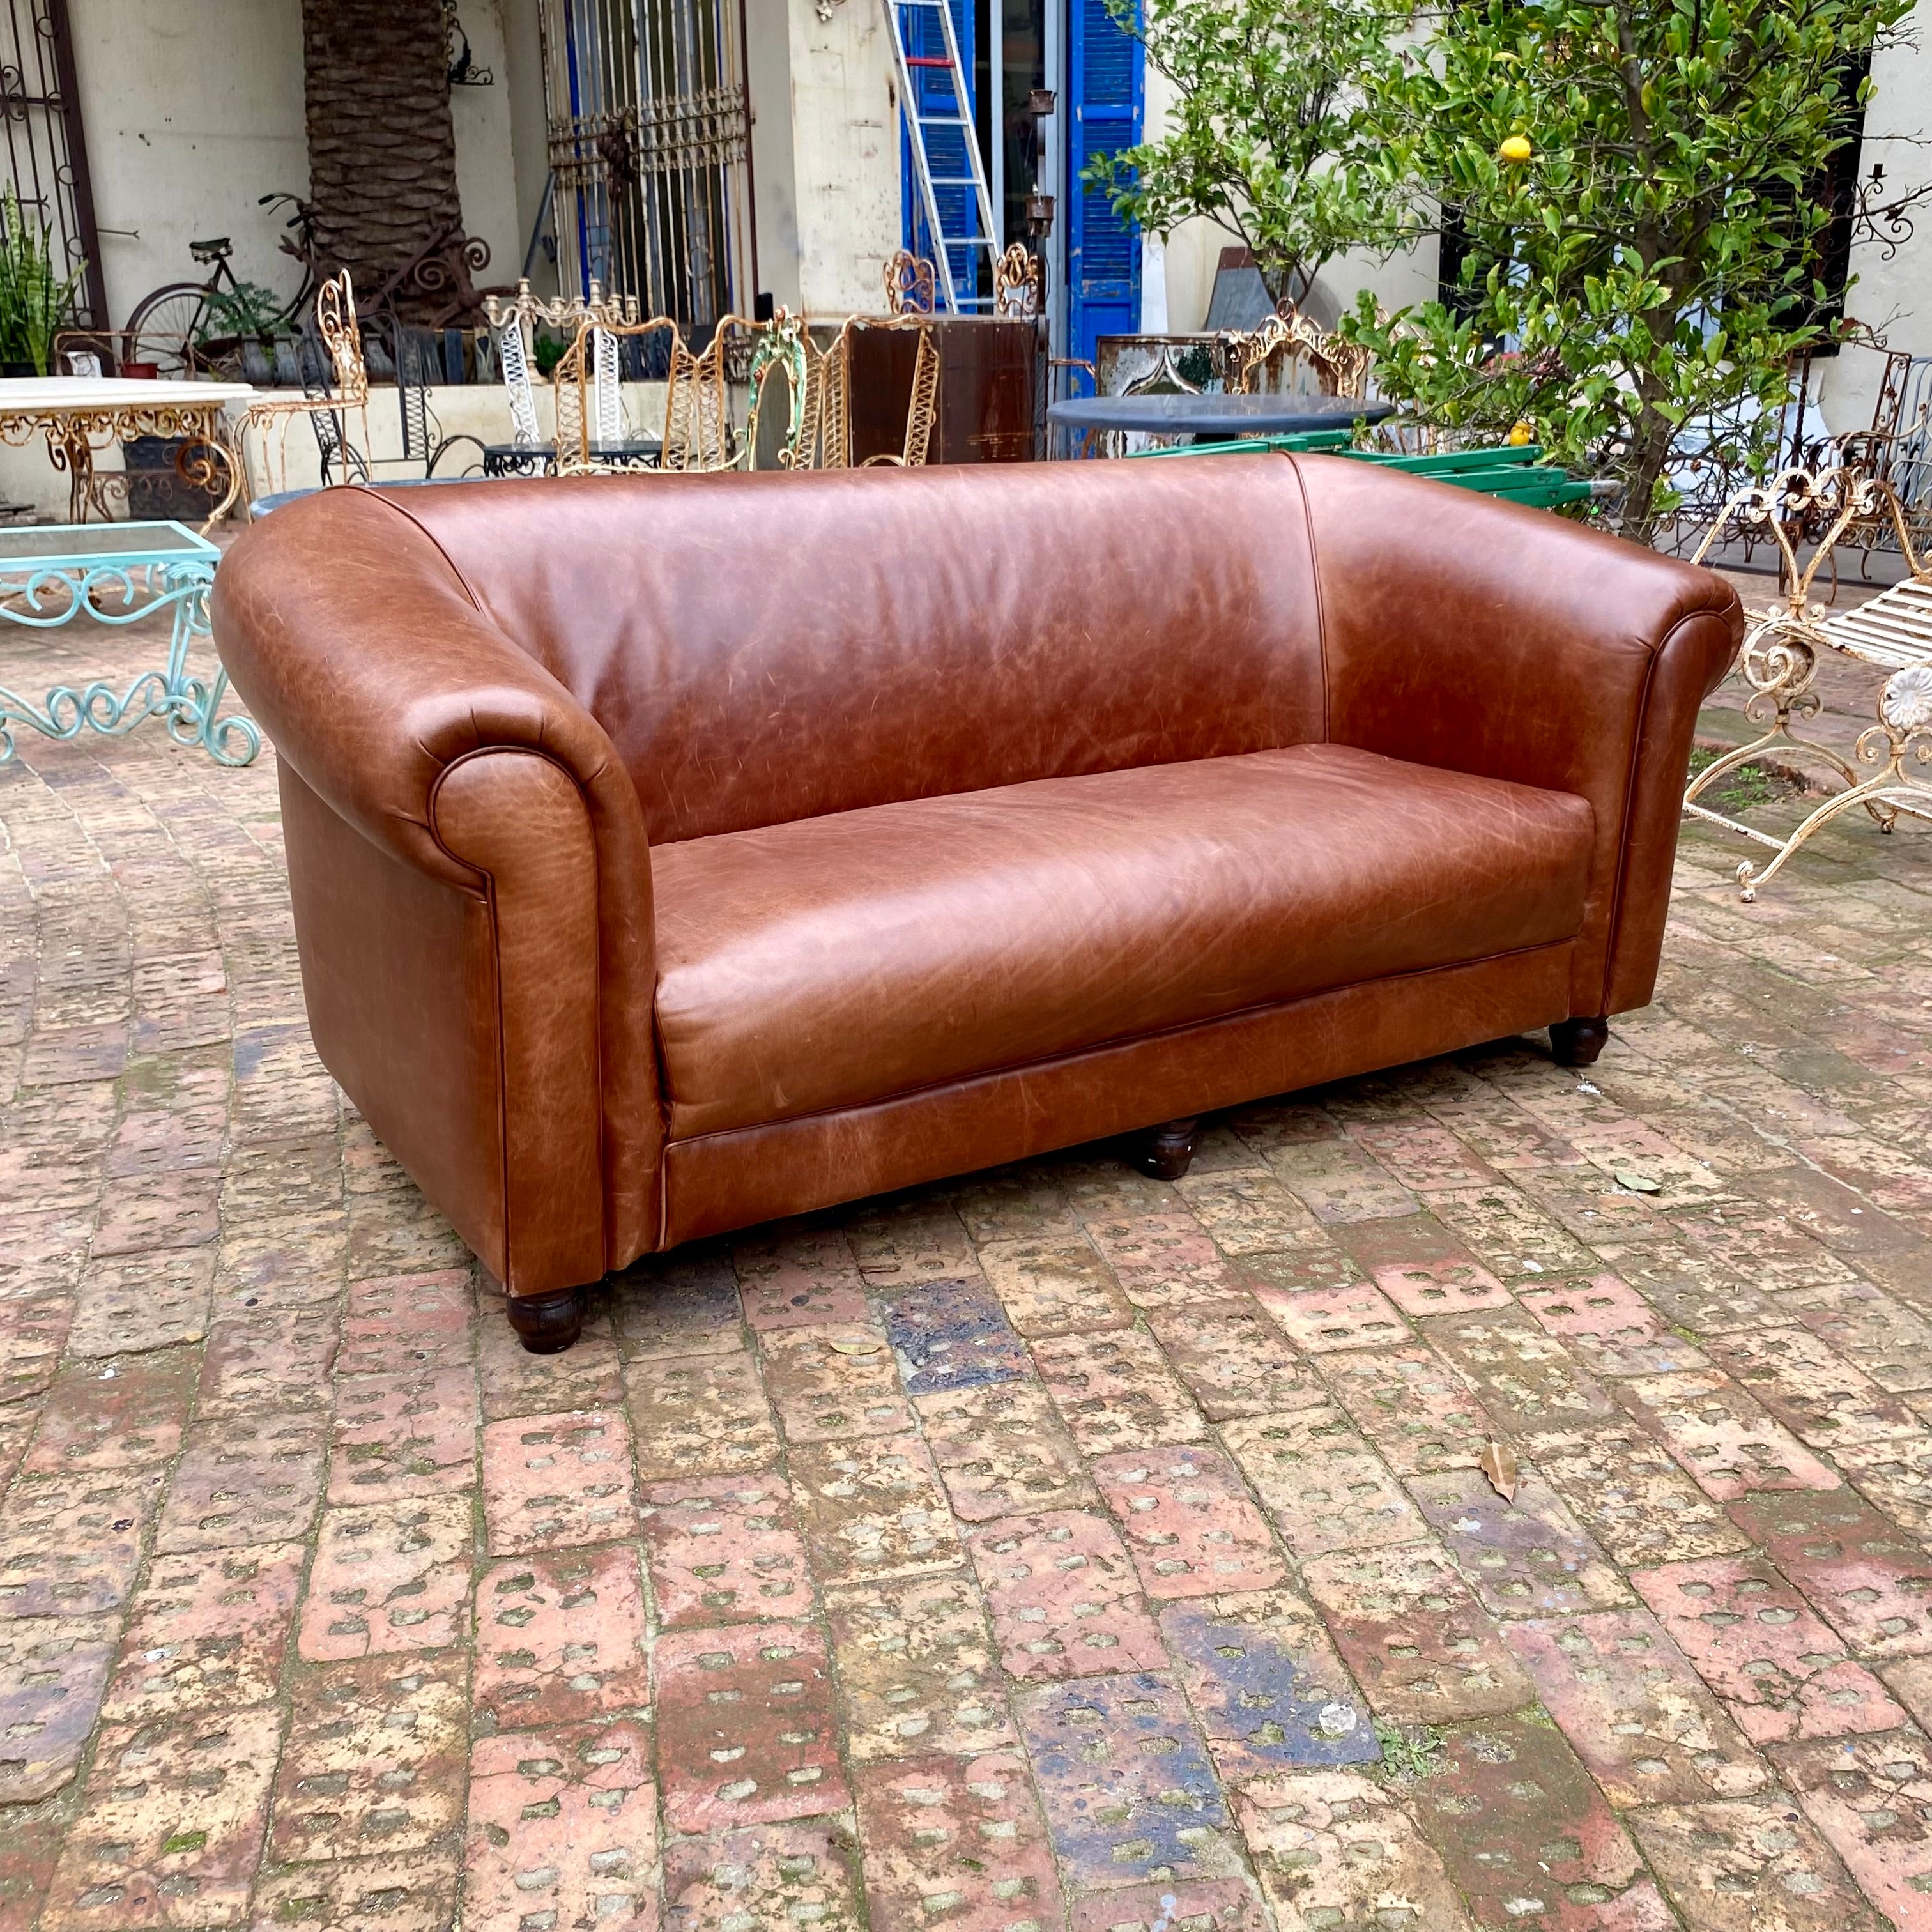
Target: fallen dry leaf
(853,1344)
(1638,1183)
(1498,1463)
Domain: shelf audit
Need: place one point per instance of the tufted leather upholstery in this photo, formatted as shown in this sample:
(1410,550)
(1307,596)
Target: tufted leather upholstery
(670,852)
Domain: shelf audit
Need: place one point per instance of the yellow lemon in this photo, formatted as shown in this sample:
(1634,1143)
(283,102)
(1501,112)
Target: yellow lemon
(1521,433)
(1516,149)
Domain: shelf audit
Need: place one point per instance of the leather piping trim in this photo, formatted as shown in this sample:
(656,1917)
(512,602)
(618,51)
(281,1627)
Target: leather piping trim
(1110,1046)
(1315,573)
(496,973)
(374,494)
(1630,805)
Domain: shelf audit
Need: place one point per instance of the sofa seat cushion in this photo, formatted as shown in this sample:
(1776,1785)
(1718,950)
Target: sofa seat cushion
(838,960)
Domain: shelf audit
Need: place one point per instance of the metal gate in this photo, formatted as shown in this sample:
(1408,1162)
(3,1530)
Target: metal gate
(46,151)
(649,126)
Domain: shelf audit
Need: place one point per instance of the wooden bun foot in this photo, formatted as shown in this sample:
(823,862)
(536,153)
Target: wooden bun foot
(548,1324)
(1167,1151)
(1578,1042)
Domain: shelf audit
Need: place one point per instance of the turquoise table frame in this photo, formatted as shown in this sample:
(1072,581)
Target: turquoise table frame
(120,574)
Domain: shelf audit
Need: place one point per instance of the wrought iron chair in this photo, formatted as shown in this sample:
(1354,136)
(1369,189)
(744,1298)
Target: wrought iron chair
(419,356)
(910,289)
(268,419)
(1284,351)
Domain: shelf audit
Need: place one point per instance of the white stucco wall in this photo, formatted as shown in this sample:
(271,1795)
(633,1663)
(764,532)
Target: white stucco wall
(193,110)
(1894,297)
(845,156)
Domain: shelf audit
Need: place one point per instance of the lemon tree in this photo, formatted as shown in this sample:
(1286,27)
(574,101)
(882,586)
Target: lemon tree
(1268,134)
(1637,181)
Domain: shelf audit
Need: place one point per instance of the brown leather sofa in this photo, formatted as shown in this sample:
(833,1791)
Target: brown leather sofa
(670,853)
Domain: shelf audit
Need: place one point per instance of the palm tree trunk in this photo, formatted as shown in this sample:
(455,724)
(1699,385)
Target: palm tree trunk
(382,147)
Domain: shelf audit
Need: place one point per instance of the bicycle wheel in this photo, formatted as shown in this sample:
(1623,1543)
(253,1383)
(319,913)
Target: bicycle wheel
(166,326)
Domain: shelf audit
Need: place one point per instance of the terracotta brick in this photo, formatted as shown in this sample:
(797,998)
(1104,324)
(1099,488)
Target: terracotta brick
(1528,1839)
(374,1758)
(264,1360)
(911,1241)
(1246,1210)
(1526,1379)
(1234,1359)
(32,1331)
(1064,1597)
(1116,1391)
(1761,1246)
(1867,1580)
(956,1840)
(1414,1409)
(552,1481)
(700,1415)
(1871,1799)
(1811,1388)
(69,1544)
(1265,1685)
(1526,1557)
(388,1578)
(1418,1643)
(678,1304)
(1316,1265)
(1895,1476)
(1627,1491)
(1781,1672)
(147,1211)
(408,1435)
(823,1387)
(1340,1849)
(1422,1155)
(1125,1782)
(724,1549)
(1320,1320)
(1872,1329)
(780,1875)
(1635,1710)
(1272,1127)
(170,1826)
(1724,1440)
(1508,1234)
(1323,1487)
(244,1481)
(563,1823)
(413,1891)
(513,1382)
(795,1280)
(745,1730)
(53,1672)
(404,1321)
(1732,1863)
(1002,1450)
(1199,1905)
(1165,1260)
(1189,1521)
(872,1509)
(1422,1267)
(953,1333)
(1338,1183)
(207,1633)
(1056,1285)
(1690,1289)
(561,1639)
(1609,1327)
(131,1304)
(129,1415)
(30,1844)
(1017,1204)
(916,1671)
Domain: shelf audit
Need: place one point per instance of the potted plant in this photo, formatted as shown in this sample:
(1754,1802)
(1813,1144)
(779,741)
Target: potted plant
(35,301)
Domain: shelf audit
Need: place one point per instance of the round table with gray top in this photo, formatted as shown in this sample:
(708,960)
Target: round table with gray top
(1213,418)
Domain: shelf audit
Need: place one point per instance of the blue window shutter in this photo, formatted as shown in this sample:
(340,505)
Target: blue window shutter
(1105,74)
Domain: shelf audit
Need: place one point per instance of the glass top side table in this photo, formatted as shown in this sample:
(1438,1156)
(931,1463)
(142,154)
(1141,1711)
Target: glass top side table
(120,574)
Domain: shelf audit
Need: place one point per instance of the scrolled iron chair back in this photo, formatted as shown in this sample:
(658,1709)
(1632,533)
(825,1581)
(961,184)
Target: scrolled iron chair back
(1017,283)
(911,287)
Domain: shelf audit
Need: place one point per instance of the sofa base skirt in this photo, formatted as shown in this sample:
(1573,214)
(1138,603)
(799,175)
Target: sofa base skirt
(721,1181)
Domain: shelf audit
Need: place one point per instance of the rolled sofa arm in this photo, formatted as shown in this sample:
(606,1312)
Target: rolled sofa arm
(1479,636)
(471,885)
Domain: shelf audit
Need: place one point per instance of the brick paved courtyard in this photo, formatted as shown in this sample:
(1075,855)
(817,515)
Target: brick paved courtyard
(1057,1549)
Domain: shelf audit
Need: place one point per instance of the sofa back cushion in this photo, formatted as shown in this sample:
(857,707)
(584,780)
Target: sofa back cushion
(766,648)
